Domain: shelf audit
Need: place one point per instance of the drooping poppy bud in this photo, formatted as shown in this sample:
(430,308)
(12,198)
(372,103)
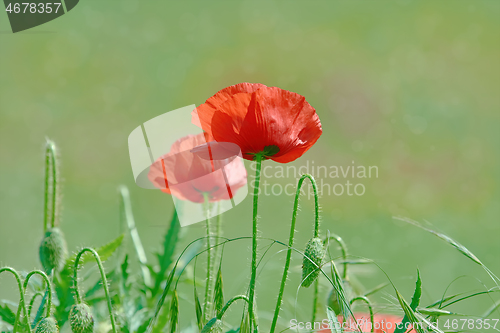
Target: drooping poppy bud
(214,325)
(313,256)
(81,319)
(53,250)
(47,325)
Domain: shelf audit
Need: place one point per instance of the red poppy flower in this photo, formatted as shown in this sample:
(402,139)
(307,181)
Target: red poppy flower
(382,323)
(275,123)
(194,169)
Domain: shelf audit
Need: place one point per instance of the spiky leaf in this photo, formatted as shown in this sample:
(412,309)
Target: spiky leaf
(415,301)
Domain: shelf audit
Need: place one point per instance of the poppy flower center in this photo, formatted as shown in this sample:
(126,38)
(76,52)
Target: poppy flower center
(267,152)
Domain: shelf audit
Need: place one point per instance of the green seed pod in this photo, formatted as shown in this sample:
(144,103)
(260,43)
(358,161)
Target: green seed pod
(214,325)
(53,250)
(333,298)
(315,251)
(81,319)
(47,325)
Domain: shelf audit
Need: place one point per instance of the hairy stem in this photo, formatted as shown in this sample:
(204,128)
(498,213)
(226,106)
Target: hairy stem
(230,302)
(207,308)
(49,287)
(50,189)
(315,300)
(32,302)
(103,278)
(22,302)
(291,238)
(370,309)
(251,293)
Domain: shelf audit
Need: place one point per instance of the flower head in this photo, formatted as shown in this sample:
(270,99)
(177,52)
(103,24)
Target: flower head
(268,121)
(195,169)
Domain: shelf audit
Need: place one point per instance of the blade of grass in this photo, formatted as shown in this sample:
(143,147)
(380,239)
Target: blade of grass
(219,294)
(199,312)
(335,326)
(174,312)
(127,215)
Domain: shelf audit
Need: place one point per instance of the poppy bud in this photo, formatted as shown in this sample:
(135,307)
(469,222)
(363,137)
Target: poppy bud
(53,250)
(47,325)
(214,325)
(81,319)
(315,251)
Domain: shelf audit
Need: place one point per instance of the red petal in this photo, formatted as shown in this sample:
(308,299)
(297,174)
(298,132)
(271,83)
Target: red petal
(202,115)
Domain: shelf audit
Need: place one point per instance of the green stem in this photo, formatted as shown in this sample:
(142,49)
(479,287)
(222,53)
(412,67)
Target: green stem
(50,167)
(251,294)
(218,233)
(207,308)
(291,238)
(231,301)
(370,309)
(126,210)
(315,300)
(32,302)
(49,287)
(228,304)
(22,302)
(103,278)
(343,249)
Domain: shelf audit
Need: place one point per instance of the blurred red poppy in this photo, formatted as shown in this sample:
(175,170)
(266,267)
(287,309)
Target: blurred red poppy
(194,169)
(275,123)
(382,323)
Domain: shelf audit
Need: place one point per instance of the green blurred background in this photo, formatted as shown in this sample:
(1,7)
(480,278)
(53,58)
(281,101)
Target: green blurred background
(411,87)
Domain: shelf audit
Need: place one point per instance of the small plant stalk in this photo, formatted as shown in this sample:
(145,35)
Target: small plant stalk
(290,242)
(22,302)
(49,288)
(78,298)
(251,293)
(370,309)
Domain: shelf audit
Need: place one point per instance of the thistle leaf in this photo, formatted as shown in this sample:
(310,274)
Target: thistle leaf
(169,244)
(409,314)
(415,301)
(7,315)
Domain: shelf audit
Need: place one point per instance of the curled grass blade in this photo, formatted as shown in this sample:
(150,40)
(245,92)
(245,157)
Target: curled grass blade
(462,249)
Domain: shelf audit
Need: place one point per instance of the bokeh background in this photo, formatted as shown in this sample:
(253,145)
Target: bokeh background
(412,87)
